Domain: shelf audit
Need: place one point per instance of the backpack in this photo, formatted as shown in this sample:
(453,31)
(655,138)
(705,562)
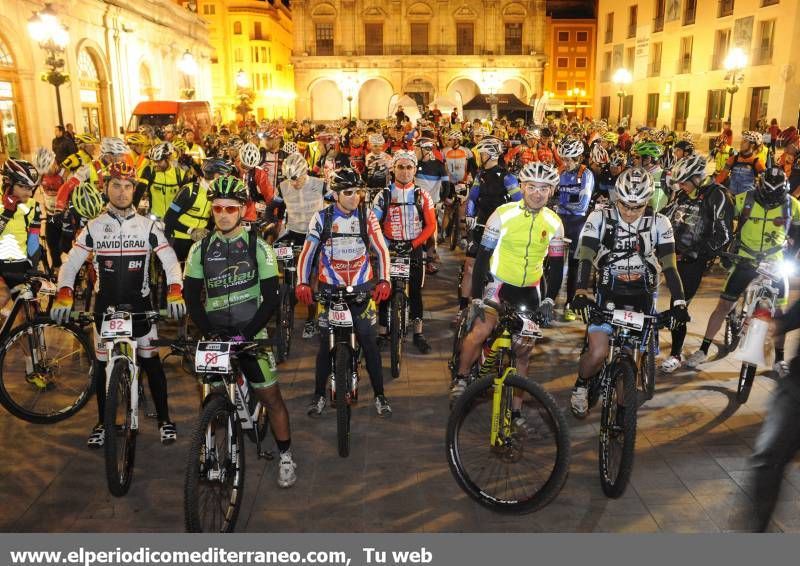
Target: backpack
(728,214)
(327,225)
(252,246)
(645,246)
(387,200)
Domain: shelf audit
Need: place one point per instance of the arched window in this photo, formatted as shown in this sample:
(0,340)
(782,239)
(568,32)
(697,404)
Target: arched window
(10,134)
(91,99)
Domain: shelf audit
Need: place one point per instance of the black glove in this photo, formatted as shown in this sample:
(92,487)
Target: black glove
(679,316)
(580,304)
(546,312)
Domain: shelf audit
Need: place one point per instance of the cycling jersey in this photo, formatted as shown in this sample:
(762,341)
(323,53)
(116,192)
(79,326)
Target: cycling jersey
(19,235)
(302,203)
(403,220)
(74,161)
(122,248)
(701,220)
(431,175)
(742,172)
(50,185)
(575,192)
(661,192)
(357,159)
(195,151)
(520,241)
(343,258)
(377,166)
(492,187)
(765,231)
(163,186)
(191,210)
(457,161)
(272,164)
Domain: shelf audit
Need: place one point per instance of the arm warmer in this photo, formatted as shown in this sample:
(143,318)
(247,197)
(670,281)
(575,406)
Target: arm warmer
(192,290)
(270,291)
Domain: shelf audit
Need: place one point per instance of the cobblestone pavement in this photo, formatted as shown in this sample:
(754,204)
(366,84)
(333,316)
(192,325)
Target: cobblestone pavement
(692,445)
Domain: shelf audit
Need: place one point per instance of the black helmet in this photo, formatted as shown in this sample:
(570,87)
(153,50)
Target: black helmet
(216,165)
(686,146)
(772,188)
(346,178)
(19,172)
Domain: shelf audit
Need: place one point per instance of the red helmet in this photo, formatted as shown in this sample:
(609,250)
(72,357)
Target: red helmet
(121,170)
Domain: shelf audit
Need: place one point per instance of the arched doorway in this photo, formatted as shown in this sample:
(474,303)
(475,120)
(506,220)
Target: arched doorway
(374,97)
(10,130)
(517,88)
(146,89)
(462,91)
(421,90)
(326,101)
(91,94)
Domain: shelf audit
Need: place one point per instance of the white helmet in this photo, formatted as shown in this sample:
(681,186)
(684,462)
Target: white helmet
(289,147)
(44,159)
(249,155)
(634,186)
(754,138)
(491,146)
(570,148)
(161,151)
(599,154)
(376,140)
(407,155)
(539,172)
(294,166)
(113,146)
(688,167)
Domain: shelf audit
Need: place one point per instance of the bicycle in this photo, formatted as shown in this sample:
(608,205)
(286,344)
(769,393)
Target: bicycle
(46,369)
(759,300)
(453,230)
(123,392)
(286,256)
(344,355)
(628,345)
(215,470)
(509,425)
(399,274)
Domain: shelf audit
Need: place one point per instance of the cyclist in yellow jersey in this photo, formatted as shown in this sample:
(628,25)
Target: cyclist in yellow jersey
(517,238)
(768,221)
(87,147)
(163,179)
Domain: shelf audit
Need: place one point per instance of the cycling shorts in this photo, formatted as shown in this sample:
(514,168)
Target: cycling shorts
(741,276)
(260,369)
(497,293)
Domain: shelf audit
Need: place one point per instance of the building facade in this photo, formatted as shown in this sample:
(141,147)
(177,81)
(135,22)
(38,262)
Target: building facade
(118,54)
(569,76)
(252,42)
(358,57)
(676,50)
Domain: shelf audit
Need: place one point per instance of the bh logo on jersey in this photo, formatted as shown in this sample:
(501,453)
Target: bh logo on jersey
(135,265)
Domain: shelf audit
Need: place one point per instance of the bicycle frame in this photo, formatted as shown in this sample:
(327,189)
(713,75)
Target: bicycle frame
(343,334)
(124,348)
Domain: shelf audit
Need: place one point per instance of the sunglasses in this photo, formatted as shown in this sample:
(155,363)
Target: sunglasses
(405,167)
(349,192)
(632,208)
(219,209)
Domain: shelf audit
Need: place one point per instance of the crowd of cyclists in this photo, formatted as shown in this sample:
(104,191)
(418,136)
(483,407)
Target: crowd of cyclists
(609,211)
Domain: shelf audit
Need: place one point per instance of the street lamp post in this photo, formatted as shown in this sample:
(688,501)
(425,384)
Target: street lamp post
(51,36)
(577,93)
(735,61)
(348,85)
(621,78)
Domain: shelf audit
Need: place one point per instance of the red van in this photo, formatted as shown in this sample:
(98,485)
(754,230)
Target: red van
(195,114)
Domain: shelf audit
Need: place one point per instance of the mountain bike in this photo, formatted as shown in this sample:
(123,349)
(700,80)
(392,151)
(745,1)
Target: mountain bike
(399,274)
(123,393)
(759,300)
(454,227)
(46,369)
(508,443)
(286,256)
(344,354)
(215,469)
(628,345)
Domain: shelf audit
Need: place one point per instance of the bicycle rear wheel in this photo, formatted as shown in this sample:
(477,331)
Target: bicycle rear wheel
(341,379)
(46,372)
(746,376)
(120,441)
(212,492)
(397,331)
(528,467)
(618,432)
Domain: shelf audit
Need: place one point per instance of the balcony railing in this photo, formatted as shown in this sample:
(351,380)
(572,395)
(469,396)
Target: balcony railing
(658,24)
(447,49)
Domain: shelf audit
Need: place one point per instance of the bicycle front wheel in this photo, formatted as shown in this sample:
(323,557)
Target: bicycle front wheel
(746,376)
(120,441)
(212,489)
(618,429)
(397,331)
(528,465)
(46,372)
(647,365)
(733,326)
(285,324)
(341,378)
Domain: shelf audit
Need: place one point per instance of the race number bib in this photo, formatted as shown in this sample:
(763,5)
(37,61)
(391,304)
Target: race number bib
(629,319)
(213,357)
(284,252)
(116,325)
(529,328)
(340,315)
(400,267)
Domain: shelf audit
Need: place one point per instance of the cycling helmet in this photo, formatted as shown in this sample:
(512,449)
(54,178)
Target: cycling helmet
(19,172)
(570,148)
(120,170)
(294,166)
(161,151)
(407,155)
(230,187)
(686,145)
(345,178)
(216,165)
(87,201)
(491,146)
(618,159)
(533,133)
(539,172)
(772,187)
(275,132)
(426,144)
(44,159)
(611,137)
(599,154)
(376,140)
(81,139)
(454,135)
(754,138)
(137,139)
(481,131)
(634,187)
(180,145)
(113,146)
(688,167)
(647,149)
(249,155)
(290,147)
